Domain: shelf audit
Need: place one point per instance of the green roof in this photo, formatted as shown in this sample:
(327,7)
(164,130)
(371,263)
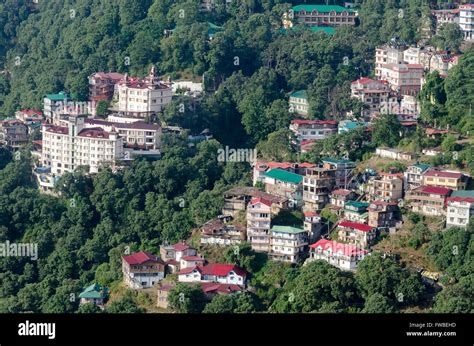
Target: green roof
(326,29)
(94,291)
(463,193)
(422,166)
(213,29)
(285,176)
(302,94)
(321,8)
(61,96)
(287,229)
(356,204)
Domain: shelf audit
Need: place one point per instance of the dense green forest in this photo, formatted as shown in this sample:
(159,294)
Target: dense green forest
(252,66)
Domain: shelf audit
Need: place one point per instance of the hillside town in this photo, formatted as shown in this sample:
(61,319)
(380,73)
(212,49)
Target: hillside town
(323,203)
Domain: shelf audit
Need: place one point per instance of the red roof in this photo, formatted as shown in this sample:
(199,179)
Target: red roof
(434,190)
(311,213)
(355,225)
(212,287)
(442,174)
(181,246)
(58,129)
(262,200)
(460,199)
(335,247)
(365,80)
(31,112)
(215,270)
(95,132)
(141,257)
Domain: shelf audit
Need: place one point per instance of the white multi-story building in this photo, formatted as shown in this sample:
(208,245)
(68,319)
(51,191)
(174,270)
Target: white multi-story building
(313,129)
(142,270)
(460,208)
(342,256)
(67,148)
(141,97)
(53,103)
(259,212)
(387,54)
(373,93)
(299,102)
(220,273)
(288,244)
(135,135)
(445,16)
(466,21)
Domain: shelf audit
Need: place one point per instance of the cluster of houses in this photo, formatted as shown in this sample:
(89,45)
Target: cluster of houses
(73,135)
(364,209)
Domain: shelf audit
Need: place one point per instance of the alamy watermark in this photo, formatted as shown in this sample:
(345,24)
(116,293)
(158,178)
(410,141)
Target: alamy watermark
(236,155)
(8,249)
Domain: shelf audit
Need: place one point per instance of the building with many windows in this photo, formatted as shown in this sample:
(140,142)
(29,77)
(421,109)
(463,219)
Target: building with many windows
(447,179)
(288,244)
(141,97)
(428,200)
(313,129)
(460,208)
(340,255)
(373,93)
(323,15)
(13,133)
(355,233)
(317,185)
(142,270)
(299,102)
(259,212)
(66,148)
(466,21)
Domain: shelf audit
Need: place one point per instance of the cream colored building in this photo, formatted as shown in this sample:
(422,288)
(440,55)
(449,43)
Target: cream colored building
(141,97)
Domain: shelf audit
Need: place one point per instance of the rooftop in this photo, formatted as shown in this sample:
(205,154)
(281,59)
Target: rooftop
(355,225)
(321,8)
(287,229)
(285,176)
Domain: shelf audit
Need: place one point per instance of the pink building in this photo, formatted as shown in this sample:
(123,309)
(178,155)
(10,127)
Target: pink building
(403,78)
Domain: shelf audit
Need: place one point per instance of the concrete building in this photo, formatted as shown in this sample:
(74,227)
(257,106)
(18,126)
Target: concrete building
(428,200)
(142,97)
(355,233)
(373,93)
(259,212)
(356,211)
(317,185)
(219,273)
(387,187)
(313,129)
(323,15)
(448,179)
(142,270)
(237,199)
(285,184)
(466,21)
(102,85)
(13,133)
(312,224)
(299,102)
(460,209)
(342,256)
(288,244)
(67,148)
(403,78)
(414,175)
(384,214)
(52,103)
(391,53)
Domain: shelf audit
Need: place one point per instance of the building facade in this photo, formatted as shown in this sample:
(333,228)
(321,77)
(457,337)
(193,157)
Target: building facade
(299,102)
(259,212)
(313,130)
(288,244)
(460,208)
(323,15)
(428,200)
(142,97)
(355,233)
(342,256)
(142,270)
